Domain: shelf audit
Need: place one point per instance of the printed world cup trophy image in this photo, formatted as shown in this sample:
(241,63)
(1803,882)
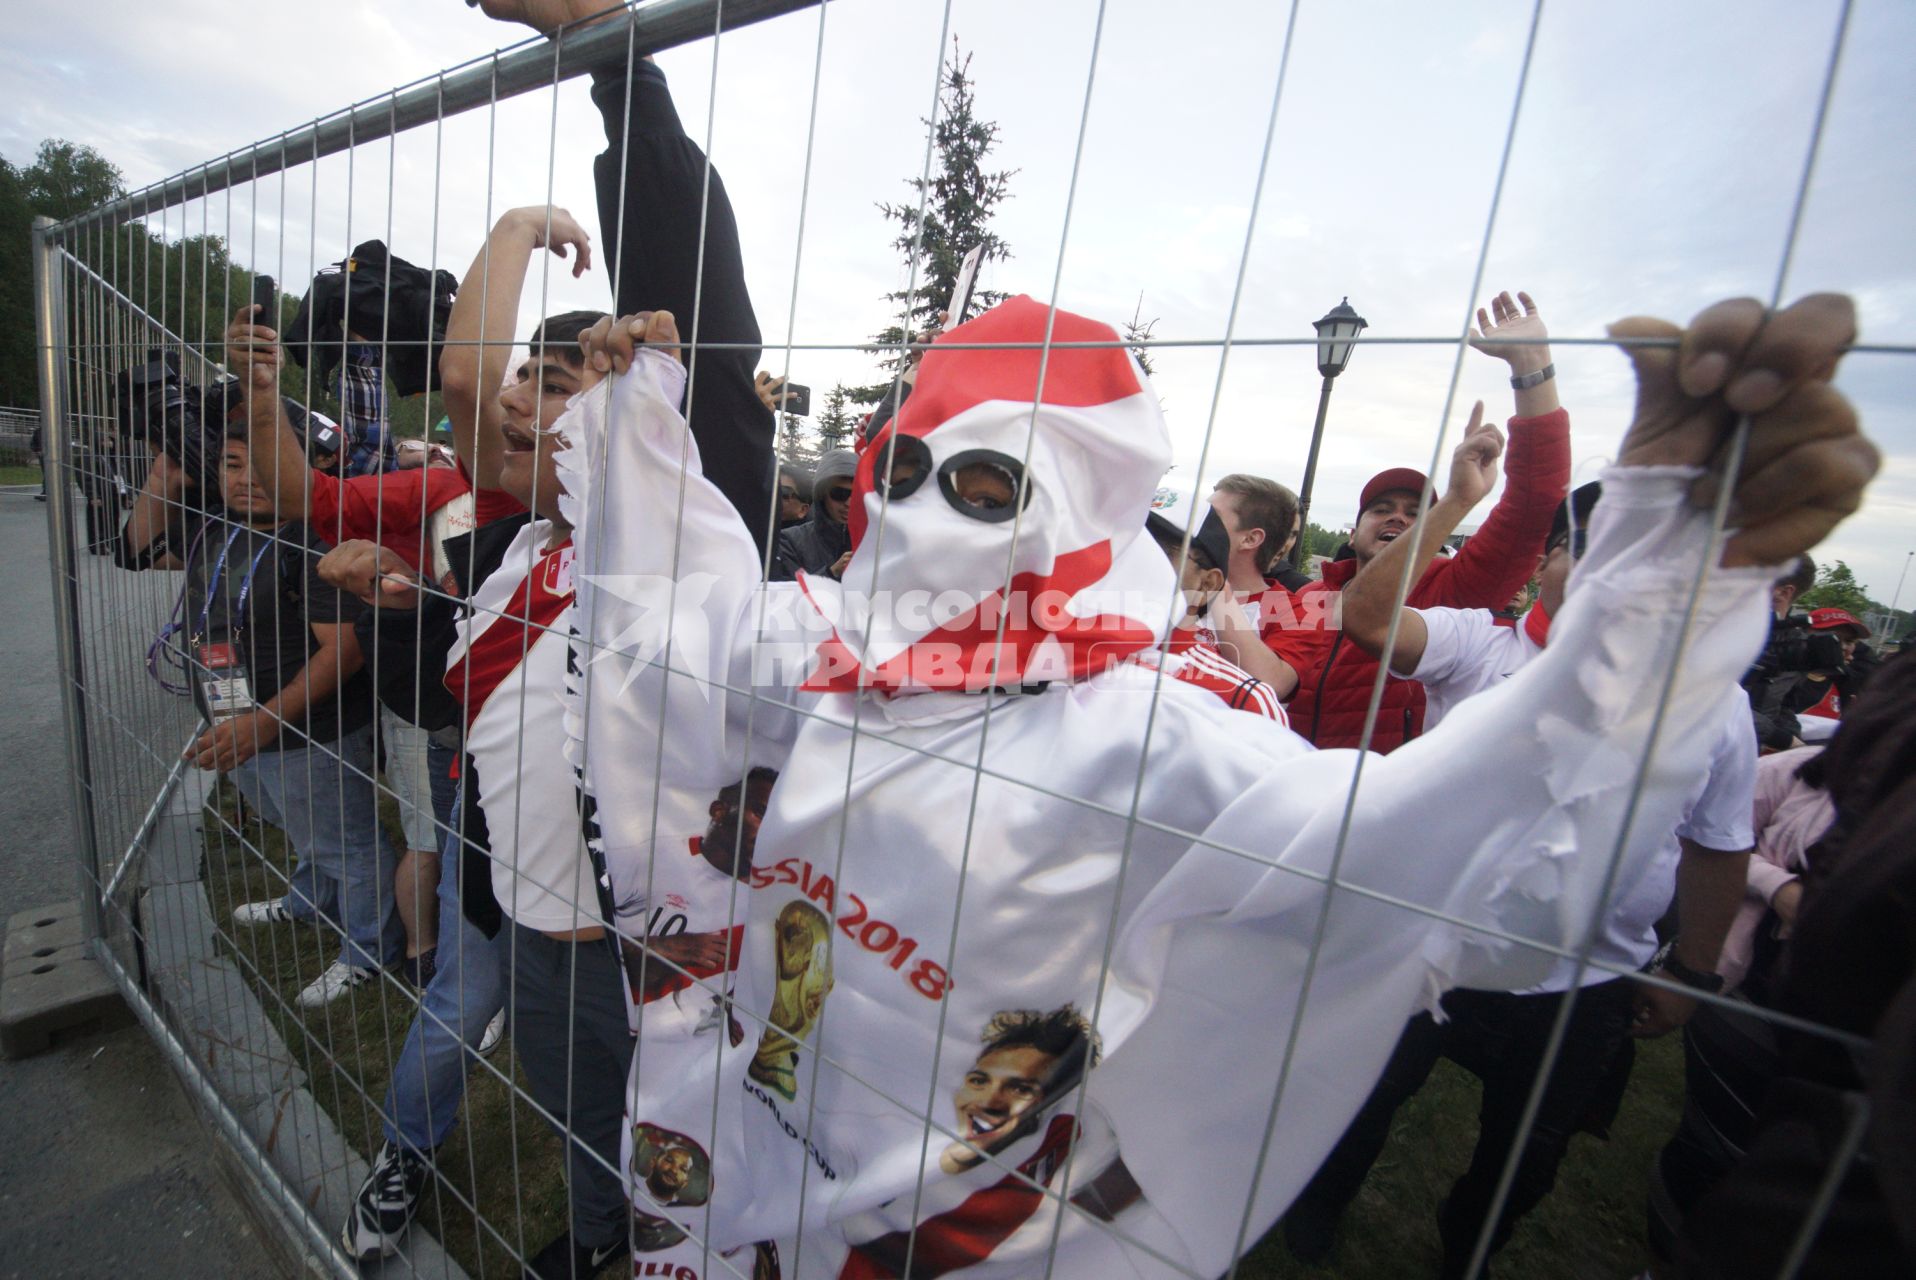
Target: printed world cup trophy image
(804,980)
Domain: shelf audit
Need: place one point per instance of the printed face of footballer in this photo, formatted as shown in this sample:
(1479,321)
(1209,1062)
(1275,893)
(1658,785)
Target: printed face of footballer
(671,1170)
(993,1100)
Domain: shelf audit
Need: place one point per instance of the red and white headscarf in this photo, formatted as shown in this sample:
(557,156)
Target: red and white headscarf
(1073,585)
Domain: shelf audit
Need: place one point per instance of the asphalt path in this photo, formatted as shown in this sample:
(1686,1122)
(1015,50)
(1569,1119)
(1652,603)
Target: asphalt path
(106,1170)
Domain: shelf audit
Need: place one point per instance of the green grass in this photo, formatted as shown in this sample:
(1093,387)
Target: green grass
(1590,1227)
(10,474)
(501,1156)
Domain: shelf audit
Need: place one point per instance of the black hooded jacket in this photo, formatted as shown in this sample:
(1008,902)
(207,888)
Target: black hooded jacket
(813,544)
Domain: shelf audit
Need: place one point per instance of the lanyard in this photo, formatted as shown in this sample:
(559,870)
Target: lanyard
(176,621)
(237,619)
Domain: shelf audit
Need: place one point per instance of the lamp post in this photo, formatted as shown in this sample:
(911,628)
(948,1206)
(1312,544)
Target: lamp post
(1898,597)
(1336,335)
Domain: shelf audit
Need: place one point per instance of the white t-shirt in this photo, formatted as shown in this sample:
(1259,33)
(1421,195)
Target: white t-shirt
(1467,653)
(508,666)
(1719,816)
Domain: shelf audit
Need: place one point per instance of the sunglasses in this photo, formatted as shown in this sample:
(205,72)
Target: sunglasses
(787,495)
(839,494)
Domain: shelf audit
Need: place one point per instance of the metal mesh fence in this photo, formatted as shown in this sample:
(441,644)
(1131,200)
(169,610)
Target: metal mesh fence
(431,898)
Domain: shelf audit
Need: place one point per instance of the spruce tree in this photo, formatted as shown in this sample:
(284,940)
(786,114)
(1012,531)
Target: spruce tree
(1137,335)
(834,426)
(957,204)
(793,447)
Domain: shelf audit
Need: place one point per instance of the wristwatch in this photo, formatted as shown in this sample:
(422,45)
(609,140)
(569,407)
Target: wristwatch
(1669,966)
(1536,378)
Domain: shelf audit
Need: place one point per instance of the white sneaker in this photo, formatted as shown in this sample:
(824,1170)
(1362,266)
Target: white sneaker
(273,912)
(338,979)
(495,1032)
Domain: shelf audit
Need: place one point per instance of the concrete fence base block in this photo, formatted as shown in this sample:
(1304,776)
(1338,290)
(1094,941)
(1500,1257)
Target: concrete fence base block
(50,984)
(213,1008)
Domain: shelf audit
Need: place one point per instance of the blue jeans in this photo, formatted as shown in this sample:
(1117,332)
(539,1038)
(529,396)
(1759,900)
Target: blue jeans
(466,989)
(321,796)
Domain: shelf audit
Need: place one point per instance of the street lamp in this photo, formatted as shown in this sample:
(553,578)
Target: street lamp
(1336,336)
(1898,597)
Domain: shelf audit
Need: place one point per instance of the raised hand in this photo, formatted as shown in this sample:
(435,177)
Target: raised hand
(1473,463)
(556,229)
(548,15)
(1807,462)
(1522,341)
(610,344)
(252,350)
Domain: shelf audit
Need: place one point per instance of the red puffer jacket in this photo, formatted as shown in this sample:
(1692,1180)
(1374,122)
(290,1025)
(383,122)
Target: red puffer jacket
(1335,677)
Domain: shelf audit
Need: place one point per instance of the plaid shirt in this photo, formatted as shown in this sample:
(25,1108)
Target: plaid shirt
(362,405)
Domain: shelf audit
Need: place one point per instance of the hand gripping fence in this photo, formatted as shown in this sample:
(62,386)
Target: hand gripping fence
(262,886)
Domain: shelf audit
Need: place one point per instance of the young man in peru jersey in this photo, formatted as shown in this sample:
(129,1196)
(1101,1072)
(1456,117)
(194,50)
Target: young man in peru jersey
(671,241)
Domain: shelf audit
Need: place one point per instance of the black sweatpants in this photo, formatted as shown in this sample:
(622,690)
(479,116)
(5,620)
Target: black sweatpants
(570,1032)
(1500,1038)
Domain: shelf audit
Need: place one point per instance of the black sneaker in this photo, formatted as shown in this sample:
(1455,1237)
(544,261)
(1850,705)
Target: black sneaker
(420,968)
(564,1259)
(384,1207)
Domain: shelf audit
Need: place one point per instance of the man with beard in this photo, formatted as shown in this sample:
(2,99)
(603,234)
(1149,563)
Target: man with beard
(1334,677)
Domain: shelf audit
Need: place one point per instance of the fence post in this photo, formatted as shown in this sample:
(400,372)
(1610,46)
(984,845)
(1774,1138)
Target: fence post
(49,308)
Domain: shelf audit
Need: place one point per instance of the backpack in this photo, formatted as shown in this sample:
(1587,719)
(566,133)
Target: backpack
(409,310)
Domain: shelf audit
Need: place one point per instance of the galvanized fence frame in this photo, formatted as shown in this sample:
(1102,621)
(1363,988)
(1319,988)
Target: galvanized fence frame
(125,789)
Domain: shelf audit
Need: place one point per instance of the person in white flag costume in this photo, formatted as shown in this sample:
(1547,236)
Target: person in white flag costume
(1027,925)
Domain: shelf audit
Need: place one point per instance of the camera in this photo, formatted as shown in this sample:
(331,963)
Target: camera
(179,419)
(1794,648)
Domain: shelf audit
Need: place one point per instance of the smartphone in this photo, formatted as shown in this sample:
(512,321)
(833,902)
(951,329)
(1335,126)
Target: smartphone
(266,298)
(798,400)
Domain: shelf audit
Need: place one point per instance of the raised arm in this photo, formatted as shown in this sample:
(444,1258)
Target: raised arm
(279,459)
(145,540)
(1370,597)
(1517,799)
(663,560)
(479,332)
(673,245)
(1502,554)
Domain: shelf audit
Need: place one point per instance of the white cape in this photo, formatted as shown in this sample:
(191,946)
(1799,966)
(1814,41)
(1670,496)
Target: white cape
(1126,845)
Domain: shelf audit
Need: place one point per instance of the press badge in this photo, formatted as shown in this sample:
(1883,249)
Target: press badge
(223,682)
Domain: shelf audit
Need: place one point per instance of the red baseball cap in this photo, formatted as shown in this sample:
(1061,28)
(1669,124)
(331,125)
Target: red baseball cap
(1389,482)
(1830,619)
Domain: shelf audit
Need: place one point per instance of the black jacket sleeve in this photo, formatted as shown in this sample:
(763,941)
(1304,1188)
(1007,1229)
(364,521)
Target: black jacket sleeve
(412,645)
(657,197)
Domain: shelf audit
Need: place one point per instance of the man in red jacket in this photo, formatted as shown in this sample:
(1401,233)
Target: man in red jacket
(1335,678)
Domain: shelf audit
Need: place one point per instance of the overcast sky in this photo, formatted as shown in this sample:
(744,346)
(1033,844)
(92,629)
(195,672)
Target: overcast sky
(1657,155)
